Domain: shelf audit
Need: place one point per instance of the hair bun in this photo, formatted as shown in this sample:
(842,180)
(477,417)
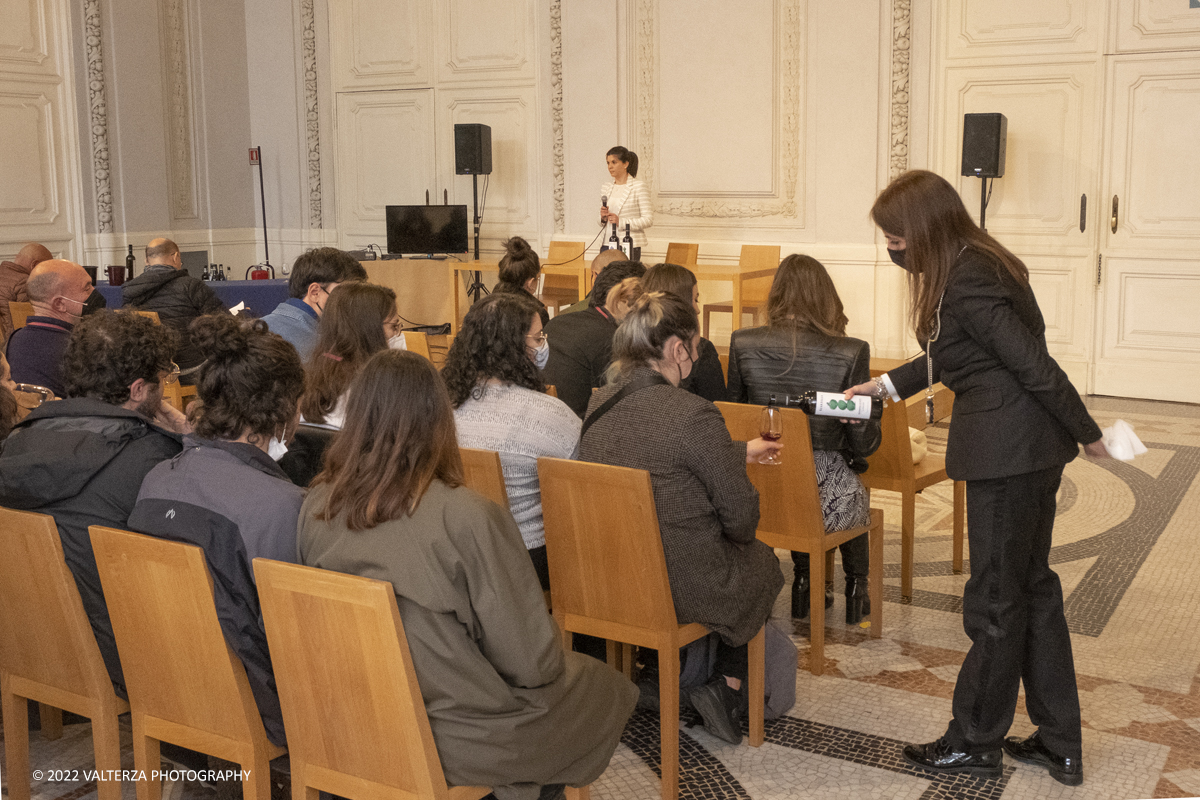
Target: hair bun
(517,247)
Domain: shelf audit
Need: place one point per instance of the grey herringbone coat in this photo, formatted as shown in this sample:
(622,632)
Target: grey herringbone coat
(721,576)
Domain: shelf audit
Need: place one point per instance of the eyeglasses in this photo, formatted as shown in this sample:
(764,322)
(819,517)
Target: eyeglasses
(539,338)
(172,375)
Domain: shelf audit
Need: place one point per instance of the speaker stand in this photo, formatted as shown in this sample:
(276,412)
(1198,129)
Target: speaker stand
(983,201)
(477,289)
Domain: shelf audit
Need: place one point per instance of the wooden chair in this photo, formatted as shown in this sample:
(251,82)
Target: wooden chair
(150,315)
(179,395)
(563,290)
(892,469)
(48,652)
(684,255)
(610,580)
(551,390)
(482,473)
(790,516)
(417,342)
(339,638)
(186,685)
(758,264)
(29,396)
(19,312)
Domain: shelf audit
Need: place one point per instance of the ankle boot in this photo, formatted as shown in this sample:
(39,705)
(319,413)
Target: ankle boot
(858,604)
(802,599)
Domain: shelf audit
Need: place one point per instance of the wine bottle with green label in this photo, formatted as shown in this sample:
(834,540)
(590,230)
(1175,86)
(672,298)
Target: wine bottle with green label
(831,404)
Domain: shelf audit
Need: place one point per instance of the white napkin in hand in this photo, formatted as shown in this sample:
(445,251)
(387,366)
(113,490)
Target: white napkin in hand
(241,306)
(1121,442)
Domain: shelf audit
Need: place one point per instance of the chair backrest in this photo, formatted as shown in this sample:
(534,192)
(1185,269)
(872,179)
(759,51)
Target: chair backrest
(682,253)
(150,315)
(756,258)
(603,544)
(482,473)
(566,254)
(788,499)
(177,664)
(29,396)
(45,635)
(305,457)
(893,460)
(351,703)
(19,312)
(417,342)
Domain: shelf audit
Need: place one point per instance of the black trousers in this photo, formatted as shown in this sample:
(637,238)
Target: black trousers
(1013,612)
(856,559)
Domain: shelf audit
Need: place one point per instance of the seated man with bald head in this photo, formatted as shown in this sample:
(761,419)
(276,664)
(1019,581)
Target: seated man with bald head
(178,298)
(58,291)
(13,275)
(602,260)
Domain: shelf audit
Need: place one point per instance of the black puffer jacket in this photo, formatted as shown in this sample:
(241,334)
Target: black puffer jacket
(772,360)
(178,298)
(82,461)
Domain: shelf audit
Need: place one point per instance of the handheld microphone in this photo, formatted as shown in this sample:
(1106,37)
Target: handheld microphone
(603,205)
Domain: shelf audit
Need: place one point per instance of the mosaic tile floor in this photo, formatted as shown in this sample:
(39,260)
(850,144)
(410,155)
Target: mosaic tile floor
(1125,548)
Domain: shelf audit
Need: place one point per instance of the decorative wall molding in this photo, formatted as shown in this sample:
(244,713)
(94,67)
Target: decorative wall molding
(179,110)
(789,113)
(556,113)
(901,74)
(98,115)
(312,115)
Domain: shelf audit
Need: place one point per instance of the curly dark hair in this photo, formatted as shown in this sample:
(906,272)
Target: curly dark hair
(109,350)
(251,382)
(351,331)
(491,344)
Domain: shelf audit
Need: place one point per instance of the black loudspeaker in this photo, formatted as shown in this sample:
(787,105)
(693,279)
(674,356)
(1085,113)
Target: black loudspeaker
(984,137)
(472,149)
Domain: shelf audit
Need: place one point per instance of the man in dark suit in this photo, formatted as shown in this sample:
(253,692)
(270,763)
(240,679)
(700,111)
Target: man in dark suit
(581,343)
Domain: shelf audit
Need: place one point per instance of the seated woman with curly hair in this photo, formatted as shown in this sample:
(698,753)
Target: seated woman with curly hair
(227,493)
(500,404)
(360,319)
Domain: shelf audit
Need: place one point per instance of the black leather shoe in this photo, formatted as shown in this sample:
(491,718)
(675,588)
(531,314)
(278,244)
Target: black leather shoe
(802,600)
(717,705)
(940,756)
(1034,751)
(858,602)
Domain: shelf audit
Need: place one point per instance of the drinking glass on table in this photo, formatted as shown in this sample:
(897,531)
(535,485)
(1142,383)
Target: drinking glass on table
(770,427)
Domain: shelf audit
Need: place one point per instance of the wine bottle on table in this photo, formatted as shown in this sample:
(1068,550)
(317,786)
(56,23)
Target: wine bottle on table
(613,242)
(129,264)
(831,404)
(628,242)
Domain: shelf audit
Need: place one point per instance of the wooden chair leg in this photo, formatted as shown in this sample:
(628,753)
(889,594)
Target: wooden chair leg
(300,790)
(147,761)
(256,785)
(707,314)
(578,793)
(908,524)
(756,685)
(875,573)
(960,514)
(816,614)
(627,660)
(51,722)
(15,711)
(106,740)
(668,722)
(829,566)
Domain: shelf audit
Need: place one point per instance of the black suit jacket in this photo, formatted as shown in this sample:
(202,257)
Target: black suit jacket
(1014,409)
(580,351)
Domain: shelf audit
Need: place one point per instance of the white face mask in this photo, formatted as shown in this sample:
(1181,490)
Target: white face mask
(276,448)
(397,342)
(541,355)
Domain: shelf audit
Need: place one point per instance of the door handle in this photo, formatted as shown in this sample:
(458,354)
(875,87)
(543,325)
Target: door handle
(1113,221)
(1082,213)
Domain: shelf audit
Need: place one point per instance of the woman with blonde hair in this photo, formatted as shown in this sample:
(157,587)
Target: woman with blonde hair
(508,707)
(721,576)
(804,347)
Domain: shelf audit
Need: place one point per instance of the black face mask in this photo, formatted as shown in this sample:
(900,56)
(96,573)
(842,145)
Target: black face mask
(897,257)
(94,303)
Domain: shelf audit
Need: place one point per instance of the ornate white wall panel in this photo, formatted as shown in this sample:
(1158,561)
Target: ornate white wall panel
(1055,289)
(1022,27)
(1156,310)
(385,153)
(28,195)
(727,148)
(177,87)
(1143,25)
(381,43)
(23,45)
(512,200)
(485,40)
(1052,138)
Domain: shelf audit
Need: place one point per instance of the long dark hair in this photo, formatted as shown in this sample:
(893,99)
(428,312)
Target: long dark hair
(926,211)
(398,438)
(250,383)
(491,344)
(351,331)
(803,296)
(672,279)
(627,156)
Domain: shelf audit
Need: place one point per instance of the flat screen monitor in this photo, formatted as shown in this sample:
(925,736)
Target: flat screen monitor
(424,230)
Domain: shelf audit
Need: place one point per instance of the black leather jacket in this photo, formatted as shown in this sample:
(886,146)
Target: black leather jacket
(775,360)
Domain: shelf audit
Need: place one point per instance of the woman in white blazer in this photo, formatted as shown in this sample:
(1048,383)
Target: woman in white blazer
(628,200)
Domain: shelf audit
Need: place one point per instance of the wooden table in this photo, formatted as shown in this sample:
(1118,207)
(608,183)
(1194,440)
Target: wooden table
(739,277)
